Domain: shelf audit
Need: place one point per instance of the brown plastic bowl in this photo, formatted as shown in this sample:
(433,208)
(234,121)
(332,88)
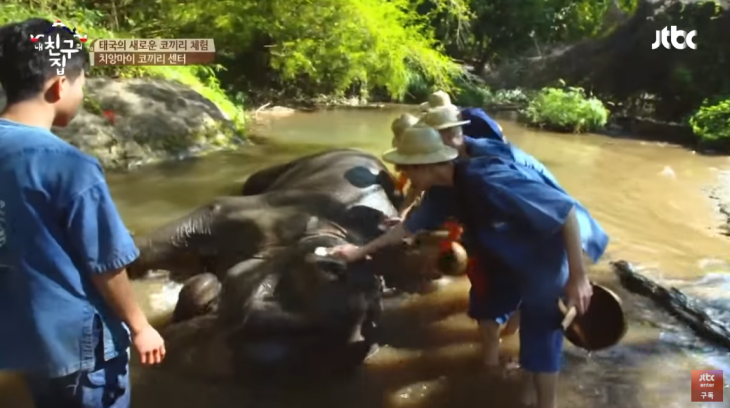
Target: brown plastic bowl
(602,326)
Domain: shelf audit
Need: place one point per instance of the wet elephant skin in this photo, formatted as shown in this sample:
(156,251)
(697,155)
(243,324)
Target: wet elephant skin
(255,299)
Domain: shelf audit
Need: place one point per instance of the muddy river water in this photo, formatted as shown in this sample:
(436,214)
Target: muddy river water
(648,196)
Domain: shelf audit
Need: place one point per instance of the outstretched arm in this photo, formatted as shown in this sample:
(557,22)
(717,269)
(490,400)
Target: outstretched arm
(434,209)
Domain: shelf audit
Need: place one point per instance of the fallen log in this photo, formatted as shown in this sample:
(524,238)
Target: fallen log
(687,310)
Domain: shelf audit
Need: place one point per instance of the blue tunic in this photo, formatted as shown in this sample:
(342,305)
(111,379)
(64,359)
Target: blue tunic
(482,126)
(58,227)
(509,211)
(593,236)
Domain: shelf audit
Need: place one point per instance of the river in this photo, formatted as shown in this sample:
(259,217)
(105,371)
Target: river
(648,196)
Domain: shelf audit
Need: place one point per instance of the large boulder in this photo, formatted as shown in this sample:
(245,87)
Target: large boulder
(153,120)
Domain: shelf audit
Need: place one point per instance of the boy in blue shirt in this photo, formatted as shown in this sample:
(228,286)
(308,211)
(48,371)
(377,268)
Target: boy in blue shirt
(66,303)
(594,239)
(452,128)
(511,213)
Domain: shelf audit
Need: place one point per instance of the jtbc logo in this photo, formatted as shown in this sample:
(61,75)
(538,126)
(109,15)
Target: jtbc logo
(663,38)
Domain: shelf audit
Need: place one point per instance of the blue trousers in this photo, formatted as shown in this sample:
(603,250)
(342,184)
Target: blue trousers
(541,337)
(106,386)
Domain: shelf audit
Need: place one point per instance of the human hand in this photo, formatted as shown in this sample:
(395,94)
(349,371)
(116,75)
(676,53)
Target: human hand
(348,252)
(579,292)
(149,345)
(391,222)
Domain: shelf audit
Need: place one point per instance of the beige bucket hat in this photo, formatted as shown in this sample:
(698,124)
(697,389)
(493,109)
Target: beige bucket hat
(437,100)
(443,117)
(420,145)
(401,123)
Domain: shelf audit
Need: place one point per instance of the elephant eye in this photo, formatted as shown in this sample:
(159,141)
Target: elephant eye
(333,267)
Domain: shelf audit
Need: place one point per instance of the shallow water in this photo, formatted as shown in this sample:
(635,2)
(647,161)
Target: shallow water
(648,196)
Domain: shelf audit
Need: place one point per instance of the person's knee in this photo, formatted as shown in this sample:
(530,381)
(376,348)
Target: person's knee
(498,307)
(512,325)
(489,327)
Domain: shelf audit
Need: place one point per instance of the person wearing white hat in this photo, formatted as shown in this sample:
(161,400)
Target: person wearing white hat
(450,125)
(436,100)
(512,214)
(480,126)
(398,126)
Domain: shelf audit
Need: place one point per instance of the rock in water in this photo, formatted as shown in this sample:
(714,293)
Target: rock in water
(154,119)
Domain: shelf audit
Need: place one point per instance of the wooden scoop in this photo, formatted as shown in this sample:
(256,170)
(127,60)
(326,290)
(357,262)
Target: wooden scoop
(570,314)
(603,325)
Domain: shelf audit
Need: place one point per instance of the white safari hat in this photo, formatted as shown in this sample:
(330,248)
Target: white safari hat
(401,123)
(443,117)
(436,100)
(420,145)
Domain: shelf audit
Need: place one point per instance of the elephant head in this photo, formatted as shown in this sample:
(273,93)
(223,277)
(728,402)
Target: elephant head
(286,311)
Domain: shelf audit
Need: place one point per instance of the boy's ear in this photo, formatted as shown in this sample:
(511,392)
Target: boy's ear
(55,88)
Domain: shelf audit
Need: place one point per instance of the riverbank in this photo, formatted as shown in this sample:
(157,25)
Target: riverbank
(128,123)
(633,128)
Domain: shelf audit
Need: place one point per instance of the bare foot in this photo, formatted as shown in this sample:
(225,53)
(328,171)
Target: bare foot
(529,395)
(529,401)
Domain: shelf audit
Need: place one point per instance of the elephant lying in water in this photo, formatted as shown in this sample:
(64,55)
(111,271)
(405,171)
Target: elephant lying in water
(255,295)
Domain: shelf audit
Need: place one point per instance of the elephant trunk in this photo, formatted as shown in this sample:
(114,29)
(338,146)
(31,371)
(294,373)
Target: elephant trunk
(175,248)
(148,257)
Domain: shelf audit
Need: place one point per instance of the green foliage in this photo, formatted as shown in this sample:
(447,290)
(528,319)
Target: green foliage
(474,93)
(92,106)
(334,47)
(711,123)
(328,46)
(200,78)
(566,109)
(502,29)
(697,74)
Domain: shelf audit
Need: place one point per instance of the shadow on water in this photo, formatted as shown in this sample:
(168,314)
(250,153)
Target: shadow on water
(431,359)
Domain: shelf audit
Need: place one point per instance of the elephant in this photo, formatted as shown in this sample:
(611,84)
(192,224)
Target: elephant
(258,296)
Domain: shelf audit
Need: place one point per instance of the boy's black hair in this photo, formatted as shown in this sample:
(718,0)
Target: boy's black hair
(24,69)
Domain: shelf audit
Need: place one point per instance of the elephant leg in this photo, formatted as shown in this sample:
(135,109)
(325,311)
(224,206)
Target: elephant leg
(199,296)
